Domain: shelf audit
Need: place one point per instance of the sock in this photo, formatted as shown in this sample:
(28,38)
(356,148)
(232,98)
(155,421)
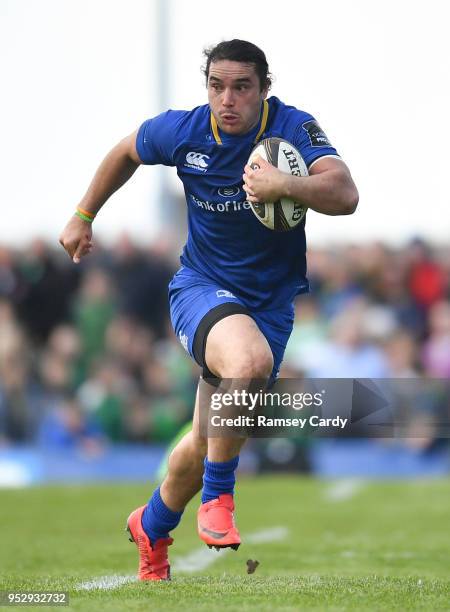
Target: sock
(158,519)
(218,478)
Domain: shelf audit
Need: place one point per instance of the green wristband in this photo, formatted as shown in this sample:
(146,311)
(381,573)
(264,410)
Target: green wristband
(84,217)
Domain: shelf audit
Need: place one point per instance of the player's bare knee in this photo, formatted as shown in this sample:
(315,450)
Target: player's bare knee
(262,365)
(249,364)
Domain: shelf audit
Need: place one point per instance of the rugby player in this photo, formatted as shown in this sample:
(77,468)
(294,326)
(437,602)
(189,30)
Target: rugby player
(231,301)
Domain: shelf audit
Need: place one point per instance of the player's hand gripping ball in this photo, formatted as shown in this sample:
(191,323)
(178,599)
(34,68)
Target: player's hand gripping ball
(284,214)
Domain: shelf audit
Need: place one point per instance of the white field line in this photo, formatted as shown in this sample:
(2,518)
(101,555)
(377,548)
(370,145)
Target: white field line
(344,489)
(106,582)
(198,560)
(273,534)
(203,557)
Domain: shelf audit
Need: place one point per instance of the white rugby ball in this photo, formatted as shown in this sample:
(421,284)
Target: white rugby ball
(285,214)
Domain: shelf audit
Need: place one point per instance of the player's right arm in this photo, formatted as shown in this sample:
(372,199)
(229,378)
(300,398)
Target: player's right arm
(115,170)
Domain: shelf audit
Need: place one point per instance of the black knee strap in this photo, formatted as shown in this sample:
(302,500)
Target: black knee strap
(206,324)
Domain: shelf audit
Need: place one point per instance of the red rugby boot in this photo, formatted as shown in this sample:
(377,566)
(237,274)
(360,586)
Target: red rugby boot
(216,523)
(153,560)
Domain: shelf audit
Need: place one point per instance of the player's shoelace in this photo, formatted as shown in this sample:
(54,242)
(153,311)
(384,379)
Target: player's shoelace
(154,560)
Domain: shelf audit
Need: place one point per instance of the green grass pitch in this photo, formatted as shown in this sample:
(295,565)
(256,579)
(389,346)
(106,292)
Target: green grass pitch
(378,546)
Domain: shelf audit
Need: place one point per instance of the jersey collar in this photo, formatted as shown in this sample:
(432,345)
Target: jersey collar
(262,127)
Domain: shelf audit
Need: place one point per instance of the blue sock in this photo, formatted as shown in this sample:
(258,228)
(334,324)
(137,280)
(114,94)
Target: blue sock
(218,478)
(158,519)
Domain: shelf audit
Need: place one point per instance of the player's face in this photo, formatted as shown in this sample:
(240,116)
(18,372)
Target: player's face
(234,95)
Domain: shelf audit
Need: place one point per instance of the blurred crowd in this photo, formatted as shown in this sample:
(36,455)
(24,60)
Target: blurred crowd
(374,312)
(88,356)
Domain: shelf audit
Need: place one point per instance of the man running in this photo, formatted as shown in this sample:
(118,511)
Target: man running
(231,302)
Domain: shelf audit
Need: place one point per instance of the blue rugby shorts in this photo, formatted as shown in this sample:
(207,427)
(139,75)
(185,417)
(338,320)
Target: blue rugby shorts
(192,298)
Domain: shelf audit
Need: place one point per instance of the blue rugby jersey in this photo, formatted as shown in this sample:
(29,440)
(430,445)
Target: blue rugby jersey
(226,243)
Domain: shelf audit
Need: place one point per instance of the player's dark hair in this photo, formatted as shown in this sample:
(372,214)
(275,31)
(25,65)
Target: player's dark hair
(239,51)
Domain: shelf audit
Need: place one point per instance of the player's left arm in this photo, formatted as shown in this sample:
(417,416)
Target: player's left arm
(329,188)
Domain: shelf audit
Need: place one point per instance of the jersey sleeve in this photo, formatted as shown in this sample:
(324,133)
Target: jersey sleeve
(157,138)
(311,140)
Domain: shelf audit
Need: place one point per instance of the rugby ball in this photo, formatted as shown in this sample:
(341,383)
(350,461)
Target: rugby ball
(285,214)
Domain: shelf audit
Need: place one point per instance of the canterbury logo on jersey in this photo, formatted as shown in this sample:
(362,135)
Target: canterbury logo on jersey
(197,161)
